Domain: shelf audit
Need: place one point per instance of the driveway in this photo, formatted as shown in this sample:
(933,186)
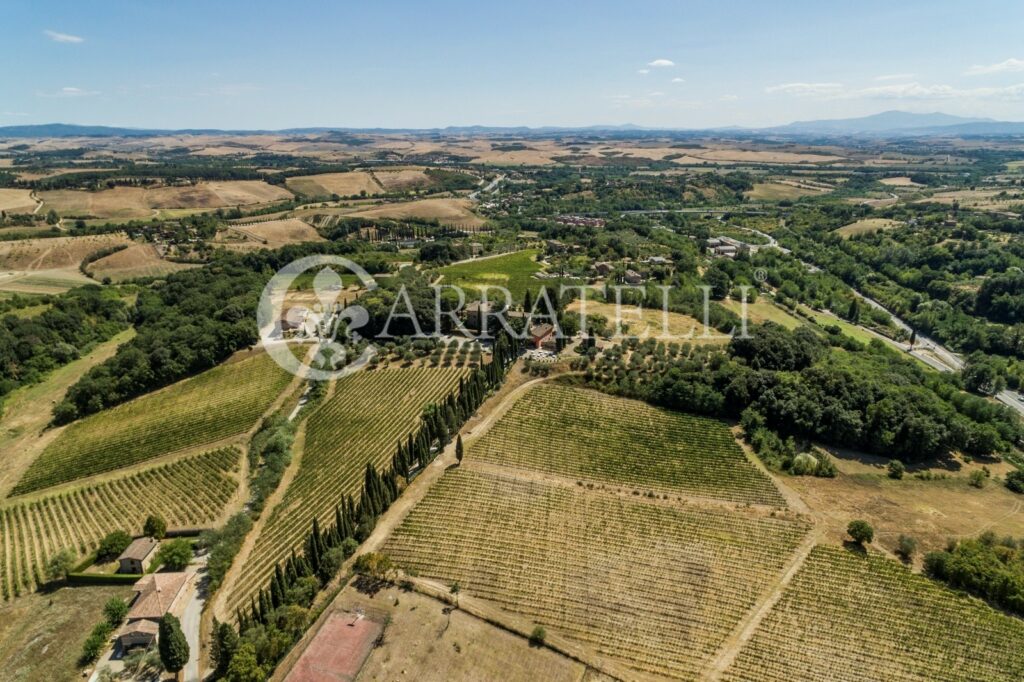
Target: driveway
(191,618)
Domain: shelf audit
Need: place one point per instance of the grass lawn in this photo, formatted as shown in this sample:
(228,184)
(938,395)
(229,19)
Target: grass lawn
(41,634)
(851,330)
(514,272)
(763,310)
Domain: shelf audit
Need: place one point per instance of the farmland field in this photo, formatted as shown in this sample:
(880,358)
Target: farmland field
(850,618)
(867,226)
(513,271)
(763,310)
(456,212)
(136,202)
(775,191)
(275,233)
(342,184)
(580,433)
(56,252)
(138,260)
(16,201)
(222,402)
(190,492)
(362,422)
(650,322)
(655,586)
(401,180)
(41,635)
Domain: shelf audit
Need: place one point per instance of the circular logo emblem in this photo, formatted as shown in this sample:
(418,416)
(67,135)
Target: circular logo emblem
(310,330)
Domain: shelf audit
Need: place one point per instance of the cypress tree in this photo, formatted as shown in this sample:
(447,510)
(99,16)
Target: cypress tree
(458,449)
(172,644)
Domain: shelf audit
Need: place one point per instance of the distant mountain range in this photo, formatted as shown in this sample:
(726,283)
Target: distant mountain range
(887,124)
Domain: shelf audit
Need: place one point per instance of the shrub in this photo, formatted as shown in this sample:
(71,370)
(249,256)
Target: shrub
(1015,481)
(804,464)
(906,547)
(896,469)
(115,611)
(175,554)
(58,567)
(977,478)
(538,636)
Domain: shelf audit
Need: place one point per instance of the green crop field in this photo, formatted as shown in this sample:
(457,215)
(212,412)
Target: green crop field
(514,272)
(585,434)
(658,587)
(848,617)
(188,493)
(367,415)
(222,402)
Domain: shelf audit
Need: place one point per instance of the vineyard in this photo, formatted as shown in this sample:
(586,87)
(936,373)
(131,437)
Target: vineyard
(190,492)
(367,415)
(586,434)
(848,617)
(222,402)
(658,587)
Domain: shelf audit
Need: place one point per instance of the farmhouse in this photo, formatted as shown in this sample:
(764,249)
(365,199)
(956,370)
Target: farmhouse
(137,557)
(603,268)
(542,334)
(476,313)
(294,319)
(156,595)
(633,277)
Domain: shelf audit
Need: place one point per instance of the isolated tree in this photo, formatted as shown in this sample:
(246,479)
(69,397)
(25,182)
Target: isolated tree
(58,567)
(538,636)
(173,645)
(113,544)
(1015,481)
(896,469)
(52,218)
(455,589)
(458,449)
(155,527)
(853,312)
(861,531)
(913,338)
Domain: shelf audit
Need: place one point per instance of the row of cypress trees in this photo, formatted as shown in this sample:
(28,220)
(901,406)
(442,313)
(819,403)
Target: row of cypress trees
(353,522)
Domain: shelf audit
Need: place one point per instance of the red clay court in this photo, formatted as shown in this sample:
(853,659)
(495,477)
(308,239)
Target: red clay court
(338,651)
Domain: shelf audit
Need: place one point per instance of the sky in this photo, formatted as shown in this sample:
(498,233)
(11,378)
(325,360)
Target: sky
(686,64)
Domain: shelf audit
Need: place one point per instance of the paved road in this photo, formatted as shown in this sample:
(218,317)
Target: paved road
(190,620)
(488,189)
(937,356)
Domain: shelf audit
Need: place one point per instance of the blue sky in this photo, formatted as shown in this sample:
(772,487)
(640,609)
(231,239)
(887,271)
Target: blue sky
(258,64)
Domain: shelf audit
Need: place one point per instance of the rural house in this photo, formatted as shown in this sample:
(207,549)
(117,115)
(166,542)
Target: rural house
(155,595)
(542,334)
(476,312)
(137,556)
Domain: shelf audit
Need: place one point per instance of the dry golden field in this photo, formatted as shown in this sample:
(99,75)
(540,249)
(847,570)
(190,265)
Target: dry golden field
(867,226)
(17,201)
(55,253)
(136,202)
(138,260)
(446,211)
(275,233)
(342,184)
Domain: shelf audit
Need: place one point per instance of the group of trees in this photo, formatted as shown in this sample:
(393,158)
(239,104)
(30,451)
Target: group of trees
(794,384)
(32,346)
(987,567)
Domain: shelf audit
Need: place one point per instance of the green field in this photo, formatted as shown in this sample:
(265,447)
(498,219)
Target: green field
(367,415)
(658,587)
(190,492)
(580,433)
(222,402)
(849,618)
(514,272)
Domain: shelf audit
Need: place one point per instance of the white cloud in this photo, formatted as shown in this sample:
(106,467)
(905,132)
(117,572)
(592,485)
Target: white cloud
(62,37)
(895,77)
(1002,67)
(805,89)
(69,92)
(661,63)
(678,80)
(643,72)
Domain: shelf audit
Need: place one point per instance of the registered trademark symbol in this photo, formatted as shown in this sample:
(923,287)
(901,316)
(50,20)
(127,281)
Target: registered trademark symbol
(760,274)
